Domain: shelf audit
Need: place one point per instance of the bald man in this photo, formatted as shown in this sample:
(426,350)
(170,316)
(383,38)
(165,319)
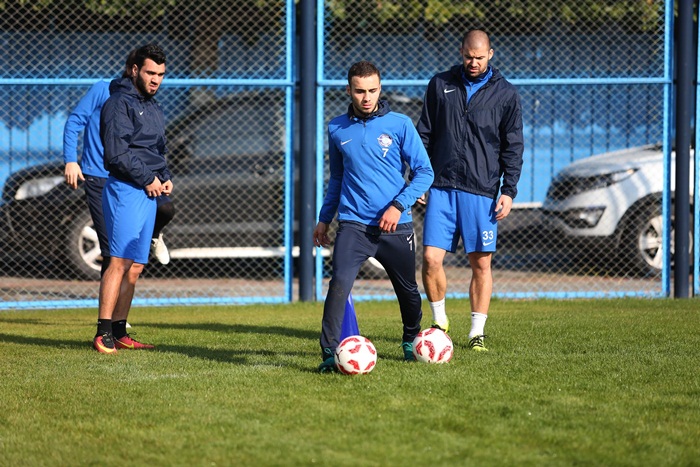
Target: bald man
(472,129)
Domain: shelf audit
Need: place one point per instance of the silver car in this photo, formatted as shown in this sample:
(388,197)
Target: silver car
(612,203)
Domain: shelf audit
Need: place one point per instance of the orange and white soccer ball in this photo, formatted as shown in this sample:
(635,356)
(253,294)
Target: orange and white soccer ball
(355,355)
(432,346)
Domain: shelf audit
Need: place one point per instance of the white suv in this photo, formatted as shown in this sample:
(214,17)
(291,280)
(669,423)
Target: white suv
(612,203)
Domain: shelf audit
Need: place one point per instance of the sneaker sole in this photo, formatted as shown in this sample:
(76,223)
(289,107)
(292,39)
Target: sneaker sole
(103,349)
(122,346)
(446,329)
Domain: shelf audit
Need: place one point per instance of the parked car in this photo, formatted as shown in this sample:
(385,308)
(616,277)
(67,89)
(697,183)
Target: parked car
(610,205)
(227,156)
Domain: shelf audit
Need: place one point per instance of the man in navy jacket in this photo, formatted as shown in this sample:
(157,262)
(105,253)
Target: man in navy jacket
(471,126)
(132,131)
(86,117)
(370,148)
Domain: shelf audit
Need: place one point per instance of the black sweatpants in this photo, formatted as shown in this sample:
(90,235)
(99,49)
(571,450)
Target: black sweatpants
(354,244)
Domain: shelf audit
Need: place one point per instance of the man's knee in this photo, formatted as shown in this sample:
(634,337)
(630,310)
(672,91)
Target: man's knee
(432,259)
(135,271)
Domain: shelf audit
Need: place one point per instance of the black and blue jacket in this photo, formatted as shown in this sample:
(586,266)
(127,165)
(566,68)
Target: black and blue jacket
(368,158)
(472,146)
(132,130)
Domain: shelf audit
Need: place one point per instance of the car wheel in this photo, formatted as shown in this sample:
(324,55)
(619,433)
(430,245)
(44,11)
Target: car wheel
(643,244)
(83,255)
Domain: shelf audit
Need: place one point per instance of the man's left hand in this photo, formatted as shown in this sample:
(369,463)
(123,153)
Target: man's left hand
(503,207)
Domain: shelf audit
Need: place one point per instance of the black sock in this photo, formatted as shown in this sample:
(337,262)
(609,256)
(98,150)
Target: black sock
(104,326)
(119,329)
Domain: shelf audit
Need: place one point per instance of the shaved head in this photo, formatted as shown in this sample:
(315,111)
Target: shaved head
(476,52)
(476,38)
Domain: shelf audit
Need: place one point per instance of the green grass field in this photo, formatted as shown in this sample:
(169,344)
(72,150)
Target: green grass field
(605,382)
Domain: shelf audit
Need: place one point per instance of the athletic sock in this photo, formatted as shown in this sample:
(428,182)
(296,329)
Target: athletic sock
(104,326)
(119,329)
(478,322)
(439,315)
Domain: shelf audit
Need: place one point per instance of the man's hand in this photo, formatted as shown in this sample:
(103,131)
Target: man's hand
(167,187)
(321,235)
(503,207)
(389,220)
(155,188)
(73,174)
(423,199)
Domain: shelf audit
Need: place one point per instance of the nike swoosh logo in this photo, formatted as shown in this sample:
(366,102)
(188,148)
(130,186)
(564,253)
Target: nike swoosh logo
(487,244)
(448,90)
(343,143)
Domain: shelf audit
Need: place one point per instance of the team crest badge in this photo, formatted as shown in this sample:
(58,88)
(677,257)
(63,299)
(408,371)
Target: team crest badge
(384,140)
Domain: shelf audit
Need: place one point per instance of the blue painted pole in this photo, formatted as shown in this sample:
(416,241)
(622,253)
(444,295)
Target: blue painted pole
(307,166)
(684,97)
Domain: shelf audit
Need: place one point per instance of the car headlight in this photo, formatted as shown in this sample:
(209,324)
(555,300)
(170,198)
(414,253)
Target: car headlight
(566,186)
(37,187)
(605,180)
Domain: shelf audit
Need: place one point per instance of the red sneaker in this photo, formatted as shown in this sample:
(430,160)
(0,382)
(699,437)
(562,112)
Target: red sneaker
(104,343)
(127,342)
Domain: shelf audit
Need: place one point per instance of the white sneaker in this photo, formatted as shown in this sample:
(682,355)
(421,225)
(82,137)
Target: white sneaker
(159,250)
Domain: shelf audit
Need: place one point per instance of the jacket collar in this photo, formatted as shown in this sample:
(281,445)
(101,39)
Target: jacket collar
(383,108)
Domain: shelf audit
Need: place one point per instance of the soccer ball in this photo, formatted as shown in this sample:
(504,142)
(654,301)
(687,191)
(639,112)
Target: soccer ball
(432,346)
(355,355)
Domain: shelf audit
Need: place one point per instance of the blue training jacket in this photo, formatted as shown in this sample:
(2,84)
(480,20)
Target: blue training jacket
(132,129)
(368,160)
(86,117)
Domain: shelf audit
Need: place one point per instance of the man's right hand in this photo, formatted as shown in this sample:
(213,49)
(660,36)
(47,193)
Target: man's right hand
(155,188)
(73,174)
(321,237)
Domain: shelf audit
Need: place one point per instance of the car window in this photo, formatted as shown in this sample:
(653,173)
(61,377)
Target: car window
(238,128)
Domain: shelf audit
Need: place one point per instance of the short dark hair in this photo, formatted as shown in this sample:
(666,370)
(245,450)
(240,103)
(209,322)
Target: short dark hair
(152,51)
(363,69)
(129,64)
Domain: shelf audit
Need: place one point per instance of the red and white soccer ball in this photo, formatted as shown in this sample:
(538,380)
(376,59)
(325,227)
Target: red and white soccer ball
(432,346)
(355,355)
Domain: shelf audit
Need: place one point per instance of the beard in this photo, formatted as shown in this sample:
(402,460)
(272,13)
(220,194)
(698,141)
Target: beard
(142,87)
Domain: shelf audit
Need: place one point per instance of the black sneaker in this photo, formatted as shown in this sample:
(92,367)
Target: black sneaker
(328,365)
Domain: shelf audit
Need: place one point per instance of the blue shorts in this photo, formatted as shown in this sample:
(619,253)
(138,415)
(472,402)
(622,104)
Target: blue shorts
(452,214)
(129,217)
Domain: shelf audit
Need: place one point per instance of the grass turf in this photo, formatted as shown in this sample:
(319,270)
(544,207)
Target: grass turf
(605,382)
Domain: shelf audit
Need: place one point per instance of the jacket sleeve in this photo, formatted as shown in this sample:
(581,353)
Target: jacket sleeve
(78,120)
(332,199)
(512,145)
(116,130)
(415,155)
(427,117)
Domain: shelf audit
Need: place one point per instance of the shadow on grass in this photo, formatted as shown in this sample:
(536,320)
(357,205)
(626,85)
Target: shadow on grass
(57,343)
(253,357)
(238,329)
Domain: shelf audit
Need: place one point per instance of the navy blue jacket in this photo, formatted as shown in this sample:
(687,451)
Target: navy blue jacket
(132,130)
(472,146)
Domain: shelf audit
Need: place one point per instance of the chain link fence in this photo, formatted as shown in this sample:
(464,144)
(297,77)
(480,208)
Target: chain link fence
(227,96)
(593,77)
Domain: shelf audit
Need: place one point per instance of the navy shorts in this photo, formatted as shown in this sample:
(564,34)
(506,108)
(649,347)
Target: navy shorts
(93,195)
